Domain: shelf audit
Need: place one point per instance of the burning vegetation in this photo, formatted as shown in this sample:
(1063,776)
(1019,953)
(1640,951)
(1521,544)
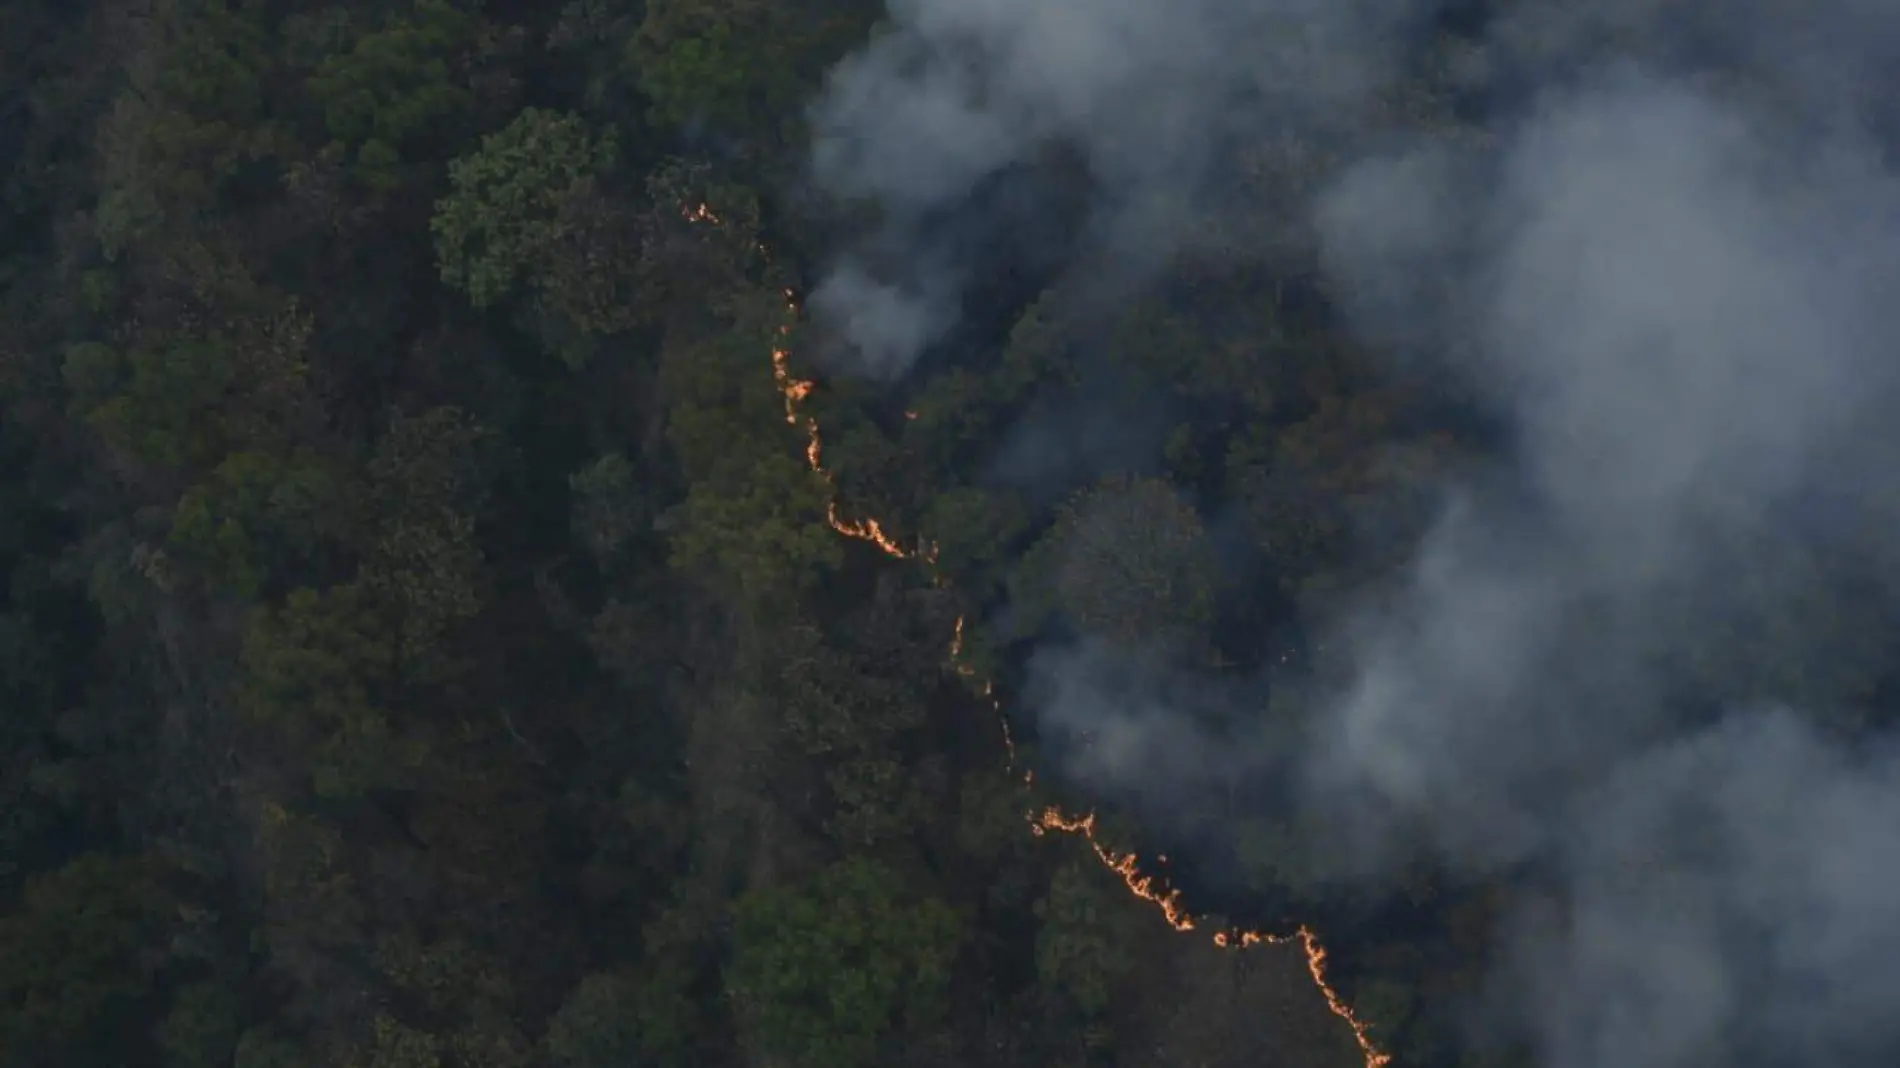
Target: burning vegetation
(1149,888)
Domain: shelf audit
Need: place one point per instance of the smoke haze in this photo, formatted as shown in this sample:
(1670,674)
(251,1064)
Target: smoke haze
(1148,92)
(1674,272)
(1727,904)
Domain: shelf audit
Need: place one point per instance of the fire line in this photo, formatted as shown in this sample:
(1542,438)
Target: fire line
(1149,888)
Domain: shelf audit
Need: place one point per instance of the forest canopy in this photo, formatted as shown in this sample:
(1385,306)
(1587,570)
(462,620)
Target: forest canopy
(827,534)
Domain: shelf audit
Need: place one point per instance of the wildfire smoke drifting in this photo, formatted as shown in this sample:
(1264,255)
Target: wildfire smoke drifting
(1149,888)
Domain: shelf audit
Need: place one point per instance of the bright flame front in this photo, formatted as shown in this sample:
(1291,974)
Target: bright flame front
(1148,888)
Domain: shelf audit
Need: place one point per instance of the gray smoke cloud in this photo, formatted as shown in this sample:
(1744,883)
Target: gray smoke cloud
(1675,274)
(887,324)
(1684,323)
(1728,903)
(1147,91)
(1133,722)
(1687,309)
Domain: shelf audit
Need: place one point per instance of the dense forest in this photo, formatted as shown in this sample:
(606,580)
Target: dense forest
(541,535)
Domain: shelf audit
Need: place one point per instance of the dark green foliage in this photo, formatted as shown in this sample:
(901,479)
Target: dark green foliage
(615,1021)
(198,123)
(739,65)
(200,1030)
(394,86)
(831,970)
(504,214)
(1083,948)
(1127,559)
(166,414)
(257,517)
(76,962)
(425,641)
(313,669)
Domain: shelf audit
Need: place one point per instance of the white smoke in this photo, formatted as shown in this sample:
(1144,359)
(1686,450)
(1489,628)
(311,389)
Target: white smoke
(957,91)
(1728,902)
(1675,274)
(1687,311)
(887,325)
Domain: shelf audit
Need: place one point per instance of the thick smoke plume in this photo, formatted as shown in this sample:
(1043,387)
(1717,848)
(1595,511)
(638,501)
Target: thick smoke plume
(1673,272)
(1148,92)
(1728,903)
(1688,325)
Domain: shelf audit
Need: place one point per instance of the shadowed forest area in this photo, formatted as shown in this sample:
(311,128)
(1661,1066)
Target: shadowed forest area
(466,607)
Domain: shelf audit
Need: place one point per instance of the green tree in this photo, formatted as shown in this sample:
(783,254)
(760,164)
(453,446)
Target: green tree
(506,211)
(428,489)
(833,706)
(394,86)
(393,1044)
(201,1029)
(184,400)
(1083,946)
(725,408)
(168,410)
(313,930)
(759,535)
(78,963)
(974,530)
(753,523)
(611,507)
(464,993)
(701,256)
(877,800)
(259,1048)
(318,668)
(829,971)
(613,1020)
(256,517)
(194,124)
(740,66)
(1129,560)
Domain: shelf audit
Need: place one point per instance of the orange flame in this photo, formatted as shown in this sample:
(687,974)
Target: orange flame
(1126,865)
(1168,900)
(795,390)
(1148,888)
(956,655)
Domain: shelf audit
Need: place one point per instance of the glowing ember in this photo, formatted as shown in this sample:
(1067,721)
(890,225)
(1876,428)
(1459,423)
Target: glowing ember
(866,529)
(1126,865)
(795,390)
(956,656)
(1168,900)
(1148,888)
